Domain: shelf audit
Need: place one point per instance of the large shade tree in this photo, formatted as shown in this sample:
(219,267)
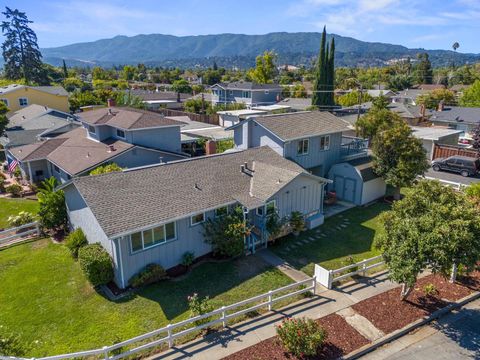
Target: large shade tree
(20,49)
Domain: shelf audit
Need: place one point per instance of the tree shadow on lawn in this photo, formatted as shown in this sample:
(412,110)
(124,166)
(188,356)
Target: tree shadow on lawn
(355,238)
(210,279)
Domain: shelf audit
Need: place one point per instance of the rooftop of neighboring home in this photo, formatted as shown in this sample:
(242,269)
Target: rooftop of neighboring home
(159,96)
(302,124)
(434,133)
(243,113)
(247,86)
(194,130)
(459,87)
(300,104)
(38,117)
(54,90)
(429,87)
(449,114)
(250,177)
(127,118)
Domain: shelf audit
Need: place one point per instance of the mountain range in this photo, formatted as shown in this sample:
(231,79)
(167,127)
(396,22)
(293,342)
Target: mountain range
(237,50)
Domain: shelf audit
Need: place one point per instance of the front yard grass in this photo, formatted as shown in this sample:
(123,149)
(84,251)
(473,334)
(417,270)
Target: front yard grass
(45,299)
(354,239)
(10,207)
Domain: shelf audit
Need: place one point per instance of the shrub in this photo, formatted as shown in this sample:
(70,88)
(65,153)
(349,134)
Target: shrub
(96,264)
(75,240)
(33,187)
(151,274)
(349,260)
(301,337)
(2,185)
(2,175)
(199,306)
(297,223)
(22,218)
(14,189)
(274,226)
(17,173)
(430,290)
(53,211)
(187,258)
(104,169)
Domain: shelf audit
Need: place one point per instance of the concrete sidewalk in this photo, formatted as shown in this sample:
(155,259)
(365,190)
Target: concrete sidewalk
(250,332)
(277,262)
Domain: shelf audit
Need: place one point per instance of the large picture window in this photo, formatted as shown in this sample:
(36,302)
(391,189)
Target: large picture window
(148,238)
(302,148)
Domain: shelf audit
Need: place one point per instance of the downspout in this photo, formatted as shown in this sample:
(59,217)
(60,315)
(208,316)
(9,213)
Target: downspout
(119,260)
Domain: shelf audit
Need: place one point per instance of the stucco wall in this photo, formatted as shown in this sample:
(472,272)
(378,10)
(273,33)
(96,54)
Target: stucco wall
(36,97)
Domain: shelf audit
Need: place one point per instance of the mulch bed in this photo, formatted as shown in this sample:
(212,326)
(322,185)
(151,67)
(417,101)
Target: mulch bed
(389,313)
(341,340)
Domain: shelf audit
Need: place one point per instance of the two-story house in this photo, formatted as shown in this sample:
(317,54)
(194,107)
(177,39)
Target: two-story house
(248,93)
(129,137)
(17,96)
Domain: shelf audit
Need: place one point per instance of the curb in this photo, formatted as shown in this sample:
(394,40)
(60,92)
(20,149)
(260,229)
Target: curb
(405,330)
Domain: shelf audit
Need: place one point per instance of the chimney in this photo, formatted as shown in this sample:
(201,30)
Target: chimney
(210,147)
(440,106)
(111,102)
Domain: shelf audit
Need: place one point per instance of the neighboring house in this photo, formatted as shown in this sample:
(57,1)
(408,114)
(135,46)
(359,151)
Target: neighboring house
(36,122)
(20,96)
(158,215)
(157,99)
(408,96)
(312,139)
(456,117)
(248,93)
(297,104)
(355,181)
(377,93)
(229,118)
(435,135)
(128,137)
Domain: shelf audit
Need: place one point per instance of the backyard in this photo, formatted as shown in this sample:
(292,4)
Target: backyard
(46,300)
(350,233)
(10,207)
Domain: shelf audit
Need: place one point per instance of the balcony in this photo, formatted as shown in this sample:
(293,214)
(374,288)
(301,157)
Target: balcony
(353,148)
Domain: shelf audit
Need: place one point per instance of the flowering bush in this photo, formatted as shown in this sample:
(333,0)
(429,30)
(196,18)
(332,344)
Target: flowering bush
(301,337)
(22,218)
(199,306)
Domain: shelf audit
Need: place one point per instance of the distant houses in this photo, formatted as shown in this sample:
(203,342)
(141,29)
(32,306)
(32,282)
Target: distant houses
(247,93)
(17,97)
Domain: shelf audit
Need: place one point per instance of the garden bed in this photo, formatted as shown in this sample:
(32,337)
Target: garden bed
(389,313)
(341,340)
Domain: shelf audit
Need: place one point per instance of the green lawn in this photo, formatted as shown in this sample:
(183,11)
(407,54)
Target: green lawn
(356,239)
(13,207)
(45,299)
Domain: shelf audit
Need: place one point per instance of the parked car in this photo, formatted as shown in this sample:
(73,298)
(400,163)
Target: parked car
(465,166)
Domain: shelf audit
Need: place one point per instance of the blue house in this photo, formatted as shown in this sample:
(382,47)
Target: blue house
(248,93)
(158,215)
(129,137)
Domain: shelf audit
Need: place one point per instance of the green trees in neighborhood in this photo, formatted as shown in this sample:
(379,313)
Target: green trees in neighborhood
(20,49)
(353,98)
(423,70)
(104,169)
(324,75)
(432,99)
(53,211)
(471,96)
(265,68)
(431,226)
(3,117)
(398,156)
(376,120)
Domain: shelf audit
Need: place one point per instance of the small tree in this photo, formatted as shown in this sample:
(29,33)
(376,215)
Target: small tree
(301,337)
(104,169)
(398,157)
(374,121)
(471,96)
(199,306)
(265,68)
(53,211)
(3,117)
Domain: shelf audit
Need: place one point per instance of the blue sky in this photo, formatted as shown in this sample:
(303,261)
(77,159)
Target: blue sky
(431,24)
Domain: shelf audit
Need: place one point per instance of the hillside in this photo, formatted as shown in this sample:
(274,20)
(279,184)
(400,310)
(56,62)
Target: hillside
(235,50)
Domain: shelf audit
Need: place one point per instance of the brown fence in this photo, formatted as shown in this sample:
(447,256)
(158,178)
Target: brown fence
(442,151)
(208,119)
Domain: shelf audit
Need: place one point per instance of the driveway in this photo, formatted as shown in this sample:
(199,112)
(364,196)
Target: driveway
(455,336)
(443,175)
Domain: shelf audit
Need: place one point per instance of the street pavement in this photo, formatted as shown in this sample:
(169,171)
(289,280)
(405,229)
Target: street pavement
(449,176)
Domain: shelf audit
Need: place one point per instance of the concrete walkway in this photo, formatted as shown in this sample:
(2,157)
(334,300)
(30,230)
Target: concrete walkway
(250,332)
(276,261)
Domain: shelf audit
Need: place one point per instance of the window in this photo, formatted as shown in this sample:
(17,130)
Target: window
(148,238)
(5,101)
(56,168)
(270,208)
(325,142)
(302,147)
(260,211)
(246,94)
(23,101)
(121,133)
(197,219)
(231,92)
(38,172)
(91,129)
(221,211)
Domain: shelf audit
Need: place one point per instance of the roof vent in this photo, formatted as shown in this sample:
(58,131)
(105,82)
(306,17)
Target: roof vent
(111,148)
(197,187)
(88,154)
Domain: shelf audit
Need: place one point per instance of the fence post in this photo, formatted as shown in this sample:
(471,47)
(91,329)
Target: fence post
(364,266)
(37,227)
(269,300)
(169,331)
(314,285)
(224,323)
(105,352)
(330,278)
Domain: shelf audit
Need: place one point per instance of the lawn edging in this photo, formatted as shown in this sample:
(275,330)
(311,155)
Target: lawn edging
(410,327)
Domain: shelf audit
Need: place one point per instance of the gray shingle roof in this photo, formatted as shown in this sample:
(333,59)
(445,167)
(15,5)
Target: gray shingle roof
(249,86)
(140,198)
(470,115)
(55,90)
(22,137)
(298,125)
(127,118)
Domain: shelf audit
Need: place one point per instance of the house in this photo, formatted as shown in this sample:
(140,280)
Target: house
(36,122)
(297,104)
(312,139)
(355,181)
(19,96)
(456,117)
(247,93)
(229,118)
(156,218)
(157,99)
(435,135)
(128,137)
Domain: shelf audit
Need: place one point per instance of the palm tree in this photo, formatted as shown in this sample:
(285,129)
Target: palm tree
(455,46)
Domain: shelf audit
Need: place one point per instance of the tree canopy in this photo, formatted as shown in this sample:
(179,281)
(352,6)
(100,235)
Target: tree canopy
(265,69)
(471,96)
(432,99)
(3,117)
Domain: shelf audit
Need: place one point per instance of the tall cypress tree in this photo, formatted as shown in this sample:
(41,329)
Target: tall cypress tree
(331,74)
(318,98)
(65,70)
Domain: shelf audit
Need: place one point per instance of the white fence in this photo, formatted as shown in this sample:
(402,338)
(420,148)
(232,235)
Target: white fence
(455,185)
(328,277)
(168,334)
(19,232)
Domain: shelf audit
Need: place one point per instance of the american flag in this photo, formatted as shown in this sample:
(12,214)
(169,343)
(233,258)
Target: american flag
(12,166)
